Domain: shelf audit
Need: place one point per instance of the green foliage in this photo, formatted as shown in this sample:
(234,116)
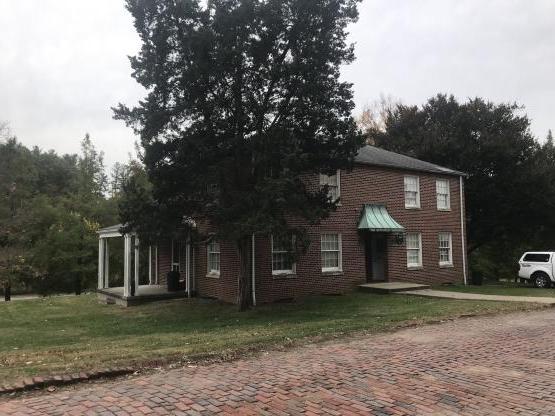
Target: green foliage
(510,190)
(50,209)
(244,101)
(92,178)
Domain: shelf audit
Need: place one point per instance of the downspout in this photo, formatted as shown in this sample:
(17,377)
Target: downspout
(463,240)
(253,273)
(193,278)
(188,266)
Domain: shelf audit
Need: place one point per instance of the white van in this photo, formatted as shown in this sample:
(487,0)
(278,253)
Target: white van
(538,267)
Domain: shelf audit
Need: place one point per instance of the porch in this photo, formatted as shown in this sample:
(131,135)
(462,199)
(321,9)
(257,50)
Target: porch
(145,293)
(137,288)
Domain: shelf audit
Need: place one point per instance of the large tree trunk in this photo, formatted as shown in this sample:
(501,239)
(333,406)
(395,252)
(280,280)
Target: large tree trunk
(7,291)
(244,298)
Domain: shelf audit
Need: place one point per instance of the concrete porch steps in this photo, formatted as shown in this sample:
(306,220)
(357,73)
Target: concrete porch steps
(391,287)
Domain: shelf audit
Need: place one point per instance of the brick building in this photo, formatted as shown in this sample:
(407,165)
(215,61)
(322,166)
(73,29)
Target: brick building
(398,218)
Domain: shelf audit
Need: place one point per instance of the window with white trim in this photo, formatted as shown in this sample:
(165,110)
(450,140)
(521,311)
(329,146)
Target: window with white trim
(414,249)
(176,255)
(331,252)
(282,261)
(412,192)
(443,194)
(213,254)
(445,249)
(334,184)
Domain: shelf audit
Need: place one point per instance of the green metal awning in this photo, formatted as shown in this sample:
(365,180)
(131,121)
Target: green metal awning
(376,218)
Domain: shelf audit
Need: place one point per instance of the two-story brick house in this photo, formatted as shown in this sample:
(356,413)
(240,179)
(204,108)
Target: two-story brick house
(398,218)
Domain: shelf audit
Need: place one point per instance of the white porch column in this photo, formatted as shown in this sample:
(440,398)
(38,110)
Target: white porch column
(101,262)
(188,267)
(156,265)
(127,265)
(150,274)
(106,263)
(136,265)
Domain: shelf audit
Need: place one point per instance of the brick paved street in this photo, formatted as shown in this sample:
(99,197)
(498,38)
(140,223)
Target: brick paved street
(480,366)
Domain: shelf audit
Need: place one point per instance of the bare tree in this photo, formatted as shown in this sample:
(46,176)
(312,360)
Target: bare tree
(374,115)
(5,132)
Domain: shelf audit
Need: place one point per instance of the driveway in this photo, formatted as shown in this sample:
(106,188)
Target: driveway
(500,365)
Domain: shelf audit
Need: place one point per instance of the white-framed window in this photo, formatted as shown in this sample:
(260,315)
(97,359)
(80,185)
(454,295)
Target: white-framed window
(213,255)
(176,255)
(414,249)
(443,194)
(331,252)
(445,249)
(282,261)
(334,184)
(412,192)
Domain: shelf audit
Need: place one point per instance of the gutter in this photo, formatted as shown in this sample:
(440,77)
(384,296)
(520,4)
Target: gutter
(407,169)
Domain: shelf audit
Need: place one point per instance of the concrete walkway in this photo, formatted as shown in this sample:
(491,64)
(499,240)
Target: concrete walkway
(391,287)
(34,297)
(477,296)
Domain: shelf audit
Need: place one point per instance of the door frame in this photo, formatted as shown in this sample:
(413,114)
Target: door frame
(370,241)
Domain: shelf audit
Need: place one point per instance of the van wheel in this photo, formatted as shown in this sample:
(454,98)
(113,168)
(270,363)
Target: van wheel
(541,280)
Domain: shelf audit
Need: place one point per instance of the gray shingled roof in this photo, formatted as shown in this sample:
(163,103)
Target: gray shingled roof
(110,229)
(370,155)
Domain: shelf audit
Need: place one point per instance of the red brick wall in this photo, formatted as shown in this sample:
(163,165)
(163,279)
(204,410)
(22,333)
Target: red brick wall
(223,287)
(386,186)
(364,185)
(164,260)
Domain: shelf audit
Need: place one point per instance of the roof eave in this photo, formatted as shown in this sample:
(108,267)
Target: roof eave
(438,172)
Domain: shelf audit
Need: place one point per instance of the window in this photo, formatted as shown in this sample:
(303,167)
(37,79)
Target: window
(334,185)
(331,252)
(537,257)
(443,194)
(445,249)
(176,255)
(282,261)
(213,253)
(412,192)
(414,250)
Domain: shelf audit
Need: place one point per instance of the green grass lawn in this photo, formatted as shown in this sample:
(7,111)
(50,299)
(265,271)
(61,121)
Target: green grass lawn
(502,288)
(66,334)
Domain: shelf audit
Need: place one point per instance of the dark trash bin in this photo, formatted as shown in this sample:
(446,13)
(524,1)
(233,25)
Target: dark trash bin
(173,278)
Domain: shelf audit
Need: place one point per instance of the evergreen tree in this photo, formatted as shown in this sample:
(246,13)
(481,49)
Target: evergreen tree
(245,100)
(92,175)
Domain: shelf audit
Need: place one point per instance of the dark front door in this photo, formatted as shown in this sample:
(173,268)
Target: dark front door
(376,257)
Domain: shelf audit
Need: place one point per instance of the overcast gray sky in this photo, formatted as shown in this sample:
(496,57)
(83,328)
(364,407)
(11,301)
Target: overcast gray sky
(63,62)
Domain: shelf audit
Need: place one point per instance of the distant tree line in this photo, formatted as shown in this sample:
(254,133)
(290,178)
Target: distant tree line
(51,207)
(510,189)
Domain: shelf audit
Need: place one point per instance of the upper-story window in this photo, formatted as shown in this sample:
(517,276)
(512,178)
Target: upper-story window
(282,261)
(334,184)
(443,194)
(412,192)
(213,255)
